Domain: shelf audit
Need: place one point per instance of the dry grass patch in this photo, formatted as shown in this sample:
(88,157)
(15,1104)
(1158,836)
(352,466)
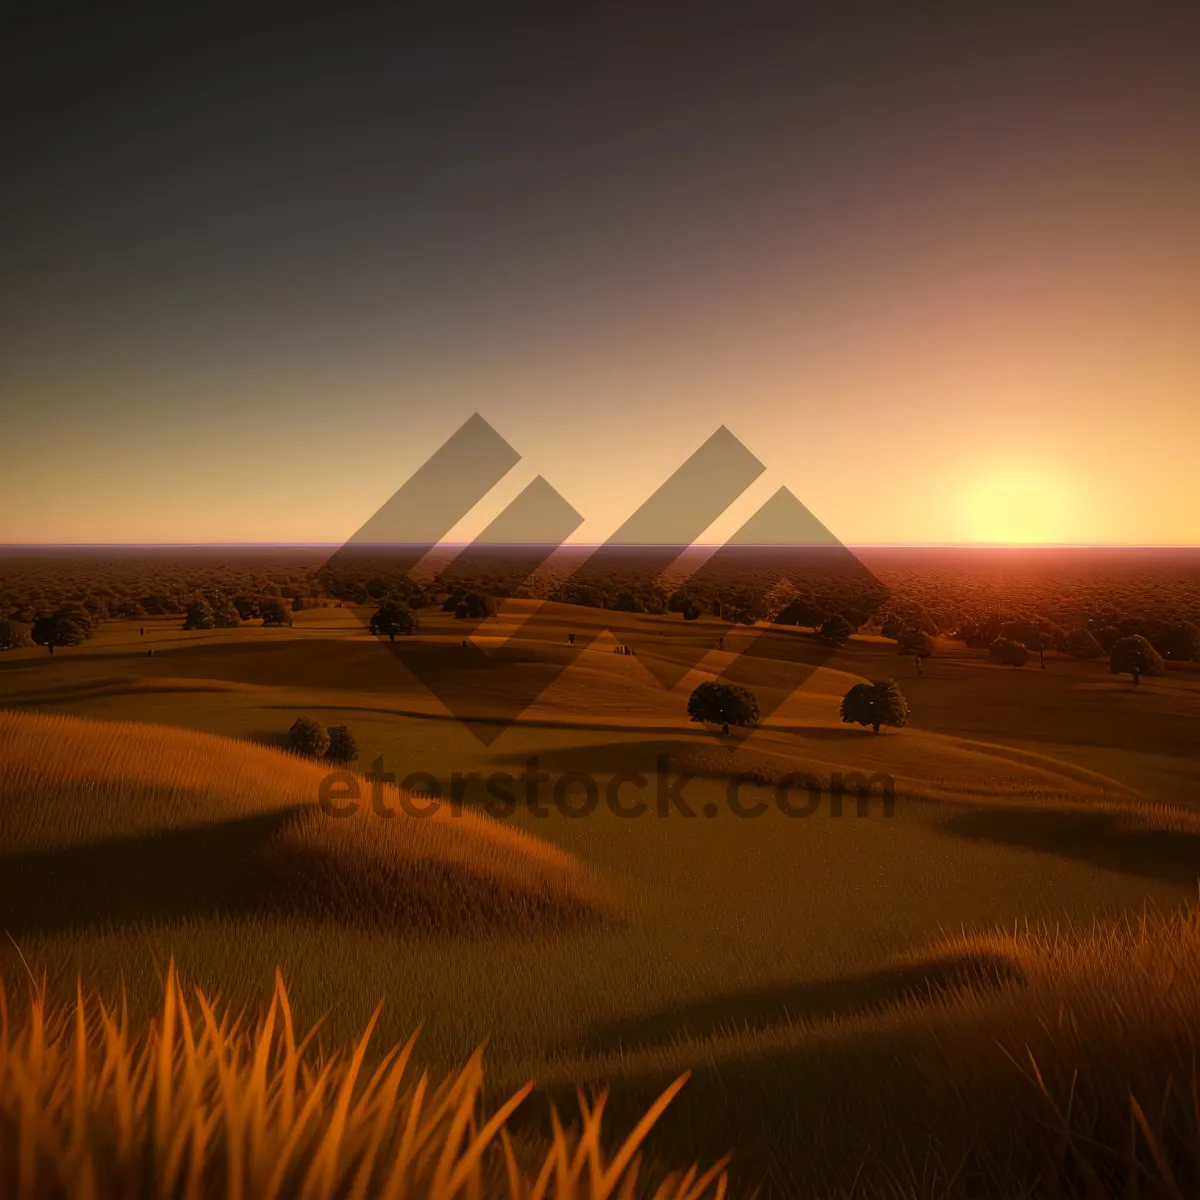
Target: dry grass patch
(204,1104)
(111,823)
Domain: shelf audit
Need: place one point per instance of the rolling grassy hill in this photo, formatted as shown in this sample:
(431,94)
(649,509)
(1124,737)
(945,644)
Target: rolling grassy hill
(755,950)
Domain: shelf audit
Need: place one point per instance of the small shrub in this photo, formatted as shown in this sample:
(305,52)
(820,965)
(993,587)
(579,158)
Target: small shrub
(342,747)
(307,738)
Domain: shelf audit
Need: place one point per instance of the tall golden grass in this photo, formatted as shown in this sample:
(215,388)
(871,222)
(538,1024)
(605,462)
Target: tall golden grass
(201,1104)
(72,782)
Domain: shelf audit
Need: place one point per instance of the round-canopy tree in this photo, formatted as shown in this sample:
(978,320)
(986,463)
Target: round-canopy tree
(723,704)
(307,737)
(342,747)
(394,618)
(59,629)
(875,704)
(1134,656)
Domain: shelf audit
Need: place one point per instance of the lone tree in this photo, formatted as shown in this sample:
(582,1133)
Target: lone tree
(59,629)
(723,704)
(835,630)
(1008,653)
(307,737)
(394,618)
(1080,643)
(875,704)
(1135,656)
(12,635)
(341,745)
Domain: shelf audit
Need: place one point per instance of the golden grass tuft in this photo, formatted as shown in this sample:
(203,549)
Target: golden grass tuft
(201,1104)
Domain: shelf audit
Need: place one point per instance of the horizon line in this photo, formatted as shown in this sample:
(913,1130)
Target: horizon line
(281,545)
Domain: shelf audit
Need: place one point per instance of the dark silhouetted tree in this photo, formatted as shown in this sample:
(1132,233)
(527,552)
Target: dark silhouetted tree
(59,629)
(723,704)
(394,619)
(1135,656)
(875,704)
(341,745)
(307,737)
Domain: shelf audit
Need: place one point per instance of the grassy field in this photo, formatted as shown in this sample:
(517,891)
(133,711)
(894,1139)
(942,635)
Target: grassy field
(786,961)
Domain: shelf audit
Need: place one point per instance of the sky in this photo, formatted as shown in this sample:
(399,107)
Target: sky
(937,267)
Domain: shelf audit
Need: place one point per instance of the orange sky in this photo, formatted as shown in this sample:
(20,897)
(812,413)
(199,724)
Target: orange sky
(943,280)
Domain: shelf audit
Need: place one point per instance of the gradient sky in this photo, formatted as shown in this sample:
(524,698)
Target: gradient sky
(940,272)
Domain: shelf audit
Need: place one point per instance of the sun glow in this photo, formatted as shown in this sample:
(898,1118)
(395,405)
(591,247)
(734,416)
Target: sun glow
(1012,508)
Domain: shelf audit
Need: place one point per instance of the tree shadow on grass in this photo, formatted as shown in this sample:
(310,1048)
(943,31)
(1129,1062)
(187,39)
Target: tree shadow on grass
(811,1000)
(1097,838)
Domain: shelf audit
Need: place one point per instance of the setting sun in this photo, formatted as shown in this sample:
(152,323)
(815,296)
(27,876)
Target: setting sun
(1014,509)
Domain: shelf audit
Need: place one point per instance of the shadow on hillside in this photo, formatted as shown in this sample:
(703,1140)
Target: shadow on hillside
(261,866)
(815,1000)
(209,870)
(1097,838)
(705,757)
